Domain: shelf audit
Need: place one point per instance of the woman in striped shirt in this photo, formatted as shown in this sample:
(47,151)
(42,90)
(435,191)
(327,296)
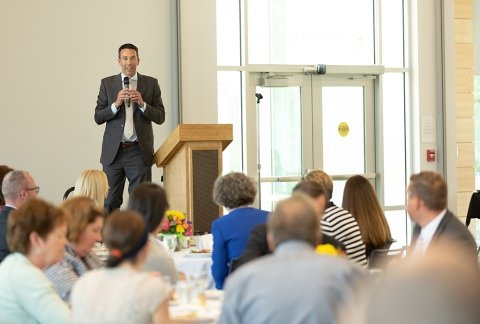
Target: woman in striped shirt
(84,230)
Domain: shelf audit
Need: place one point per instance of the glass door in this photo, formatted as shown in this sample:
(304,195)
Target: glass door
(280,141)
(312,122)
(343,128)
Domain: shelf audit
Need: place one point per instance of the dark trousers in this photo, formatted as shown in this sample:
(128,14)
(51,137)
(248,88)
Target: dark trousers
(128,164)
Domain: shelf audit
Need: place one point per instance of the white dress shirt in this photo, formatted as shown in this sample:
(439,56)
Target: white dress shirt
(426,234)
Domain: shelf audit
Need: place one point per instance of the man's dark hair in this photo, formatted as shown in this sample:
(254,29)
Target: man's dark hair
(129,46)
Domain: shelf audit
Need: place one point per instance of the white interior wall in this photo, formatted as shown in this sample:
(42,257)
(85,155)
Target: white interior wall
(53,55)
(426,86)
(198,61)
(423,79)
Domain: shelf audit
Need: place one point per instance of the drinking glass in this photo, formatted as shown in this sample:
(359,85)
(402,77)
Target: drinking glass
(170,242)
(183,292)
(199,282)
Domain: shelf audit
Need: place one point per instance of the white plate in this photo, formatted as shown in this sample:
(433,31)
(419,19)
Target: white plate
(213,294)
(198,255)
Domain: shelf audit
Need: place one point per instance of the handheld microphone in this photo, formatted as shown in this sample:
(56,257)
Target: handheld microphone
(126,85)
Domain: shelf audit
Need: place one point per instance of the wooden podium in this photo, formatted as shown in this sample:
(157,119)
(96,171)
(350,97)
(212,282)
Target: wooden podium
(191,158)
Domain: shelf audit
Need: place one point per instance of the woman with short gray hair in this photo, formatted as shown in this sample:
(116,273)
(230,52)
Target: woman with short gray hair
(236,192)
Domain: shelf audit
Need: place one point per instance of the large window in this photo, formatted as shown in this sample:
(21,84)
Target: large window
(310,32)
(261,35)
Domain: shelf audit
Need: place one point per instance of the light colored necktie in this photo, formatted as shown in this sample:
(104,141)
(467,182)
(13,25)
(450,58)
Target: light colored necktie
(128,130)
(419,246)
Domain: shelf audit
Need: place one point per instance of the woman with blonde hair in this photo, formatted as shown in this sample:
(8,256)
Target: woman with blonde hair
(93,184)
(84,230)
(360,199)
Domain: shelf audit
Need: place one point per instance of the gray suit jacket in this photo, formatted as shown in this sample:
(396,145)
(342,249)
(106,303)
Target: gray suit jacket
(155,111)
(451,231)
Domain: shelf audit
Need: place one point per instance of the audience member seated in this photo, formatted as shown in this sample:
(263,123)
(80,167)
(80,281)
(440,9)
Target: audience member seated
(360,199)
(17,187)
(338,222)
(36,237)
(434,223)
(236,192)
(4,169)
(257,247)
(294,284)
(257,241)
(84,230)
(319,195)
(120,293)
(150,200)
(93,184)
(441,287)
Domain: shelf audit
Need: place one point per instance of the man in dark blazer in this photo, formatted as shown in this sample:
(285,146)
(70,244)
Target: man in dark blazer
(128,103)
(434,224)
(17,187)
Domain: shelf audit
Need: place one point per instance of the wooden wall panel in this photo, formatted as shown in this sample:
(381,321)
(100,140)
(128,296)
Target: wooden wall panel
(463,199)
(463,31)
(466,154)
(465,180)
(464,103)
(465,131)
(464,80)
(464,56)
(463,9)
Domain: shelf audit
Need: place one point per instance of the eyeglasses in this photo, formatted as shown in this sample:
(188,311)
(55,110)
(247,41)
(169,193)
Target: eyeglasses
(36,189)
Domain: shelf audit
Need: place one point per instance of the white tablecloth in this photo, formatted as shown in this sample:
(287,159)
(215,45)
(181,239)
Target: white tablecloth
(194,264)
(204,310)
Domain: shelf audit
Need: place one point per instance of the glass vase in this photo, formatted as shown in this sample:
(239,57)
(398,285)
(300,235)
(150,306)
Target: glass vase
(183,242)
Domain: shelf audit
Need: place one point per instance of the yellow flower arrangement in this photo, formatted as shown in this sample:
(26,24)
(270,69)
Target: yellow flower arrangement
(175,222)
(326,249)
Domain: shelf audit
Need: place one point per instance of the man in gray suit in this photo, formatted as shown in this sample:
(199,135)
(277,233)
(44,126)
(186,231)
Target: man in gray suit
(294,284)
(128,103)
(435,224)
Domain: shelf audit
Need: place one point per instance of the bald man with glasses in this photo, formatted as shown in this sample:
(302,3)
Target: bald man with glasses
(17,187)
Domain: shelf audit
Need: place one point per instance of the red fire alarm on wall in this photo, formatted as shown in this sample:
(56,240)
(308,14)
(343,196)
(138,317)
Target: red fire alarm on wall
(430,155)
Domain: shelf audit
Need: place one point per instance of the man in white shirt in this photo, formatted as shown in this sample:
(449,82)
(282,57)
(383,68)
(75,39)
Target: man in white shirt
(427,207)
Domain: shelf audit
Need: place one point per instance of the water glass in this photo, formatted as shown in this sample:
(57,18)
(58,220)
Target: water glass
(170,242)
(199,282)
(183,292)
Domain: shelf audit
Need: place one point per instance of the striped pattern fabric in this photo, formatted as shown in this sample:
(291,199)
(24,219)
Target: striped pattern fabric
(65,273)
(340,224)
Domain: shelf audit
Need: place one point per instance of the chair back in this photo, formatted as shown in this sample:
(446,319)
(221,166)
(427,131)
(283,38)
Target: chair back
(67,192)
(380,258)
(473,207)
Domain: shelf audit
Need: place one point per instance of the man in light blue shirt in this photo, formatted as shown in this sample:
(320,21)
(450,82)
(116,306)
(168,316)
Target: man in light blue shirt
(295,284)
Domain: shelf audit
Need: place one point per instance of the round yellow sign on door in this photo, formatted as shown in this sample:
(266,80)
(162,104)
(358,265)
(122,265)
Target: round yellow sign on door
(343,129)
